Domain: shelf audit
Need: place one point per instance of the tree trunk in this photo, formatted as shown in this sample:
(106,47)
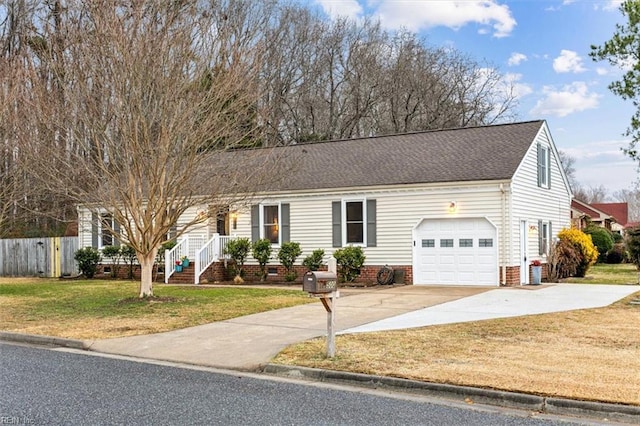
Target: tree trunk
(146,273)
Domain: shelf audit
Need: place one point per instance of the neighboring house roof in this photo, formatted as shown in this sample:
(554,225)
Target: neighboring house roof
(619,211)
(588,210)
(456,155)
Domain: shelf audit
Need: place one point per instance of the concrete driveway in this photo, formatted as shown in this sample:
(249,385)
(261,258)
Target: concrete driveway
(245,343)
(504,303)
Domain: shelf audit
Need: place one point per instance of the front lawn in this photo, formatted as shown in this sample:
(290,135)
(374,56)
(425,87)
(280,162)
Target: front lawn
(602,273)
(590,354)
(96,309)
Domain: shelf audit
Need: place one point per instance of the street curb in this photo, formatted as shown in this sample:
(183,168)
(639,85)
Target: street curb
(35,339)
(549,405)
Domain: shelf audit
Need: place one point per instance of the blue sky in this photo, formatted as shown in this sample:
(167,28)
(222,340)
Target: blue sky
(542,46)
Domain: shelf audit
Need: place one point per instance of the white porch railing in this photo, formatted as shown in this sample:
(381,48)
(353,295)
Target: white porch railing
(204,253)
(212,251)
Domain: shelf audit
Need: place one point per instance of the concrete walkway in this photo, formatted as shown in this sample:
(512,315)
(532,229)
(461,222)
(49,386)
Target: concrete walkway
(248,342)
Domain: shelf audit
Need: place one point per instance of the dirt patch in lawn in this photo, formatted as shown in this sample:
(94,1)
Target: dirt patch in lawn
(586,354)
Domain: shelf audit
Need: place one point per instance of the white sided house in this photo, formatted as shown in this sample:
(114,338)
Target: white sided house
(468,206)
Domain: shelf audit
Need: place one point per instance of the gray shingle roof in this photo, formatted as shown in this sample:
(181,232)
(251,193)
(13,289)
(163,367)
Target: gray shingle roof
(456,155)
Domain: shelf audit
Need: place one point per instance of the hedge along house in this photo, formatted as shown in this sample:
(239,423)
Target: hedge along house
(468,206)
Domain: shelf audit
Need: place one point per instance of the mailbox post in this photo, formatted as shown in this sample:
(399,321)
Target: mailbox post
(324,285)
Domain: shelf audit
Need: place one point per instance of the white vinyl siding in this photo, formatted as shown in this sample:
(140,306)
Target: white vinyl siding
(202,232)
(533,203)
(398,211)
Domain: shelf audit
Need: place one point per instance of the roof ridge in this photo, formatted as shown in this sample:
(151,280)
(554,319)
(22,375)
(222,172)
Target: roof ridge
(416,132)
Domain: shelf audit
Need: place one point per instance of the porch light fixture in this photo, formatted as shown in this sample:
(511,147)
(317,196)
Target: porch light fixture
(453,207)
(234,220)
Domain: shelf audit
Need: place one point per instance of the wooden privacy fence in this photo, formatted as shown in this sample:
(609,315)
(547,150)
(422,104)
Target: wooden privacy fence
(38,257)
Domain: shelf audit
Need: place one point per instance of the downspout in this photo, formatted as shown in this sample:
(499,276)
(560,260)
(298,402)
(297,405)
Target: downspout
(503,250)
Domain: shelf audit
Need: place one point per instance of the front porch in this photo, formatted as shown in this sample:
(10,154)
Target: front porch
(202,255)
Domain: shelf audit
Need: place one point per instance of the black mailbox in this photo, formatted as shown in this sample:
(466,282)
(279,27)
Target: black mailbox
(319,282)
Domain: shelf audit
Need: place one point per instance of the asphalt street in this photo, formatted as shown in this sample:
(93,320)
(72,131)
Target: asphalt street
(48,387)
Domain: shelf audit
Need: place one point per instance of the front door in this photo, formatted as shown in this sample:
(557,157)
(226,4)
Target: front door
(222,222)
(524,243)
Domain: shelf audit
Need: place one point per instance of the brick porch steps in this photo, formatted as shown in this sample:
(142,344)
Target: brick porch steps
(187,276)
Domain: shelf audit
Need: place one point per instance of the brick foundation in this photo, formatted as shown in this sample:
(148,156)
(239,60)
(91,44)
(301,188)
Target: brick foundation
(368,273)
(512,276)
(217,272)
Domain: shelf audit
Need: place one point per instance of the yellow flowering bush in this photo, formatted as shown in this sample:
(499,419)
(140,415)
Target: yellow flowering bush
(583,243)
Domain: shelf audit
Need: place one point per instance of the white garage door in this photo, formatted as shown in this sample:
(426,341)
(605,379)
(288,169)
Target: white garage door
(455,252)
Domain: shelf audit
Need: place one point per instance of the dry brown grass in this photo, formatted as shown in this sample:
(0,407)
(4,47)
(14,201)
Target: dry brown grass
(587,354)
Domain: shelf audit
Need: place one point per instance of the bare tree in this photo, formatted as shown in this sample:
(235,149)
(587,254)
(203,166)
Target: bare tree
(632,198)
(591,194)
(568,164)
(153,92)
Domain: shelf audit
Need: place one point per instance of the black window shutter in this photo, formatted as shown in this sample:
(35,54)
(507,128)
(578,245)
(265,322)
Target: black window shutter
(255,223)
(284,216)
(371,223)
(116,233)
(548,153)
(94,230)
(336,221)
(540,238)
(539,165)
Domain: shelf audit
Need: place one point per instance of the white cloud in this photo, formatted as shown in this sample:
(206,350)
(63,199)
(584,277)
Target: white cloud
(602,71)
(341,8)
(610,5)
(516,58)
(572,98)
(604,163)
(417,15)
(568,61)
(518,89)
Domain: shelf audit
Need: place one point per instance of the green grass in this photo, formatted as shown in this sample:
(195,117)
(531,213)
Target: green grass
(603,273)
(100,309)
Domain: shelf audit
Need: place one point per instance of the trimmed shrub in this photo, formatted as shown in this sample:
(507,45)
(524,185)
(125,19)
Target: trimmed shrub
(287,255)
(583,244)
(313,262)
(238,250)
(261,251)
(617,238)
(163,250)
(602,239)
(632,243)
(88,259)
(616,254)
(349,260)
(115,254)
(130,255)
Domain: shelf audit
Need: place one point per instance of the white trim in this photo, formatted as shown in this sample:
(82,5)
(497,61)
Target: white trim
(545,175)
(343,221)
(261,207)
(101,218)
(495,245)
(524,252)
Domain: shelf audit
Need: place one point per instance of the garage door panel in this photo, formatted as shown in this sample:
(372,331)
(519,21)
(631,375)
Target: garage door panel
(447,259)
(446,278)
(466,259)
(460,251)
